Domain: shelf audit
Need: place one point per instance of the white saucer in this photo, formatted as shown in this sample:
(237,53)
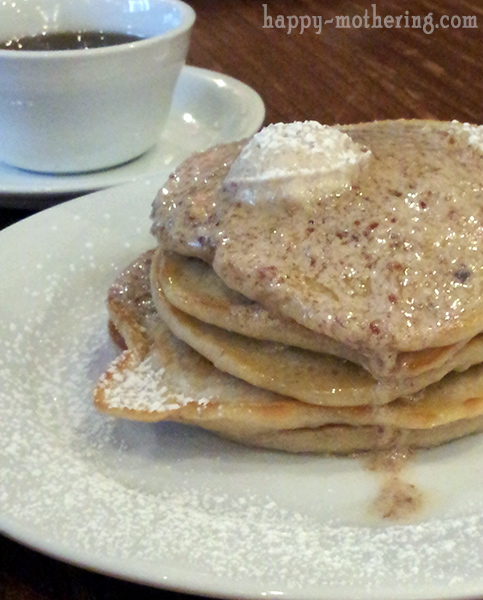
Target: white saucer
(208,108)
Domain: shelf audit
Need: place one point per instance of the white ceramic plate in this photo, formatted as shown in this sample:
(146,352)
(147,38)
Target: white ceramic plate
(208,108)
(172,506)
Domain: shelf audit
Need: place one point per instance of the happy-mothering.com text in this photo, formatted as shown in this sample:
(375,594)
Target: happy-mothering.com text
(370,19)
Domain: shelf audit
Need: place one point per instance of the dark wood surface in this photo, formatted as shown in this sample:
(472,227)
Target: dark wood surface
(336,75)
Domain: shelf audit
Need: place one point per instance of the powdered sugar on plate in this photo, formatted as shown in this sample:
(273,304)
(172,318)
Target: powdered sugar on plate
(171,505)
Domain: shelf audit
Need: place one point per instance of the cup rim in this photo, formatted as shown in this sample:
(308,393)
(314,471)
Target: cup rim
(188,17)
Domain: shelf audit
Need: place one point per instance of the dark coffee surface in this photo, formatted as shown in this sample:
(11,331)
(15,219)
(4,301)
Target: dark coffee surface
(69,40)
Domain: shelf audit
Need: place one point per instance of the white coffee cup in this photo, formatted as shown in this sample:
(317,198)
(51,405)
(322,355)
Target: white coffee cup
(69,111)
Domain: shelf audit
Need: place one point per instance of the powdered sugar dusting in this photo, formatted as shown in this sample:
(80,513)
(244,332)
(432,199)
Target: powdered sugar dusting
(475,133)
(288,160)
(324,147)
(176,506)
(475,137)
(144,387)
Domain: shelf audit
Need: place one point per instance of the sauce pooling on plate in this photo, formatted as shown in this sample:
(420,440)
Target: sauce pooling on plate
(69,40)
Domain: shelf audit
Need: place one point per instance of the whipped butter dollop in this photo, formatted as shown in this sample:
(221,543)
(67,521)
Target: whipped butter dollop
(300,161)
(473,133)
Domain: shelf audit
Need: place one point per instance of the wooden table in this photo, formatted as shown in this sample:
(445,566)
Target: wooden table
(334,74)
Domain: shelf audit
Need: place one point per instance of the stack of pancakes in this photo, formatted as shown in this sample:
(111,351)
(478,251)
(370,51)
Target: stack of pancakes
(312,323)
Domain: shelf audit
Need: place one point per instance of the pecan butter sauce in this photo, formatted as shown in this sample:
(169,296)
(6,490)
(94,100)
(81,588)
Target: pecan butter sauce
(386,262)
(397,499)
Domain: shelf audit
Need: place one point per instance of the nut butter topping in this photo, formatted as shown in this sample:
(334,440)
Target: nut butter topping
(389,263)
(186,210)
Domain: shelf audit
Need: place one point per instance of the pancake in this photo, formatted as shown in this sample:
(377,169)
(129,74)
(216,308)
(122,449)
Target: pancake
(307,376)
(132,314)
(314,289)
(192,286)
(388,266)
(160,378)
